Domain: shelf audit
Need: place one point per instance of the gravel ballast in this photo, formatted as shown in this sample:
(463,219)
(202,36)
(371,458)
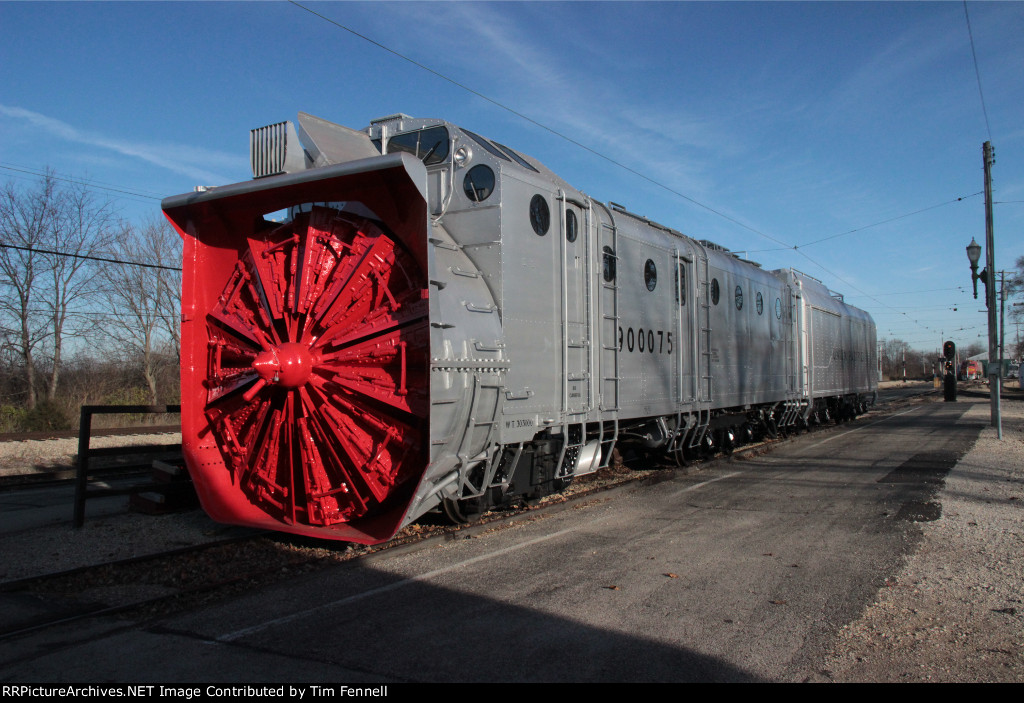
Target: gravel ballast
(48,455)
(955,613)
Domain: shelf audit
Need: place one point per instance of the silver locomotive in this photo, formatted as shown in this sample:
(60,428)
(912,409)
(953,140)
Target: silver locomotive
(442,322)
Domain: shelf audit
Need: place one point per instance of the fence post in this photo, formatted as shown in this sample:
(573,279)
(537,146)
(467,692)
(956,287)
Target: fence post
(81,480)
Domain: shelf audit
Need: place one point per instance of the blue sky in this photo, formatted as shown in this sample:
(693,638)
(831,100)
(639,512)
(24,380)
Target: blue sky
(799,120)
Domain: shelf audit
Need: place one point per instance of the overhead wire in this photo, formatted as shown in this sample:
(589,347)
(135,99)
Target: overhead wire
(874,224)
(977,72)
(617,163)
(914,292)
(88,257)
(540,125)
(78,181)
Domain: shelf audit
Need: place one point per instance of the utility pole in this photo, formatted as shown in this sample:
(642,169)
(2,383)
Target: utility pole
(994,372)
(1002,321)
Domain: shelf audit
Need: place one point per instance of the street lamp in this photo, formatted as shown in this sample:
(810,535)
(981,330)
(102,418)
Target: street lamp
(974,255)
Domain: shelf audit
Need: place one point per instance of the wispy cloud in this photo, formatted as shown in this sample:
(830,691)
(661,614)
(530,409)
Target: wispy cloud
(199,165)
(666,143)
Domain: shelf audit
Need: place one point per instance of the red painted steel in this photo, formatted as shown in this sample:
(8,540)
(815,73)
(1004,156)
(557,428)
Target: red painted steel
(308,408)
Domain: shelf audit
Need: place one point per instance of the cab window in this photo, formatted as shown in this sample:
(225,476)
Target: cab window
(428,145)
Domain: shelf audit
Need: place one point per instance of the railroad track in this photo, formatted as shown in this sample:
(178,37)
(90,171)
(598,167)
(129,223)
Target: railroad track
(43,459)
(157,584)
(73,434)
(66,476)
(160,583)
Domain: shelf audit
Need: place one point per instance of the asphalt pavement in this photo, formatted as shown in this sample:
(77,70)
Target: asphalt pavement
(742,571)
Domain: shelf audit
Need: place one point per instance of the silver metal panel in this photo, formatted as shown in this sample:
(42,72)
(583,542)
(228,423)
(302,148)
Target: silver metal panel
(751,351)
(531,315)
(331,143)
(827,338)
(647,337)
(576,310)
(842,352)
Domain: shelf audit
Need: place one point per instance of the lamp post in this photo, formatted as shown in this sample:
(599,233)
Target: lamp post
(987,276)
(974,255)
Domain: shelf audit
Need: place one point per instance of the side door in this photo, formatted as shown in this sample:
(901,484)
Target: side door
(686,336)
(576,305)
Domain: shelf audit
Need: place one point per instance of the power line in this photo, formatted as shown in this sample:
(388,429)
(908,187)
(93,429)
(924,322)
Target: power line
(89,258)
(79,181)
(977,73)
(540,125)
(913,292)
(891,219)
(35,179)
(88,184)
(104,315)
(586,148)
(874,224)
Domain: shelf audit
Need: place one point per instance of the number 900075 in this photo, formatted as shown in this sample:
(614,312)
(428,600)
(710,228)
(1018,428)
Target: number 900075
(646,341)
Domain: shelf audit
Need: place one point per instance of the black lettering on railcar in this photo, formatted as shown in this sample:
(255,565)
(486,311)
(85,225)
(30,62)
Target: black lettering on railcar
(645,340)
(848,357)
(510,424)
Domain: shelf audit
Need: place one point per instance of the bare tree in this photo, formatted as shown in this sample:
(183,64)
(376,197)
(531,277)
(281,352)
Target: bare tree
(973,349)
(1015,309)
(164,246)
(144,298)
(893,356)
(48,231)
(25,219)
(84,228)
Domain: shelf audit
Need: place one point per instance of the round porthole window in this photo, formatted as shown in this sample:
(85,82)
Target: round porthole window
(650,275)
(760,304)
(739,298)
(479,182)
(714,291)
(778,308)
(571,226)
(540,215)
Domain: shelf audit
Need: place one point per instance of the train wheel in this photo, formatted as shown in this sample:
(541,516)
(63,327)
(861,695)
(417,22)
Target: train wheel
(708,445)
(317,370)
(679,456)
(460,512)
(747,432)
(727,441)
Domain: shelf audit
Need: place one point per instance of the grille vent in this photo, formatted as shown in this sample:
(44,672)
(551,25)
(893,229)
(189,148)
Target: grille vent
(274,150)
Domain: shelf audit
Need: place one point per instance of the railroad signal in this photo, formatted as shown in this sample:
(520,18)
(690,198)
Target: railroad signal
(949,380)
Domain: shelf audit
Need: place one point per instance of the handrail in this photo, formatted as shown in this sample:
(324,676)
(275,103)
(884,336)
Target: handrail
(85,453)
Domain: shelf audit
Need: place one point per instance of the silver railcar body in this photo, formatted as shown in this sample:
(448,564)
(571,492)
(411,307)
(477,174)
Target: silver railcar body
(561,328)
(614,330)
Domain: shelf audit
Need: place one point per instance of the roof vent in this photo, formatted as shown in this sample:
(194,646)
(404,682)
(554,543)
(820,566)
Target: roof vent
(391,118)
(275,149)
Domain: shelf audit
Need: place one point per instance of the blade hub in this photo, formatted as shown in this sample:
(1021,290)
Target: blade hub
(288,365)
